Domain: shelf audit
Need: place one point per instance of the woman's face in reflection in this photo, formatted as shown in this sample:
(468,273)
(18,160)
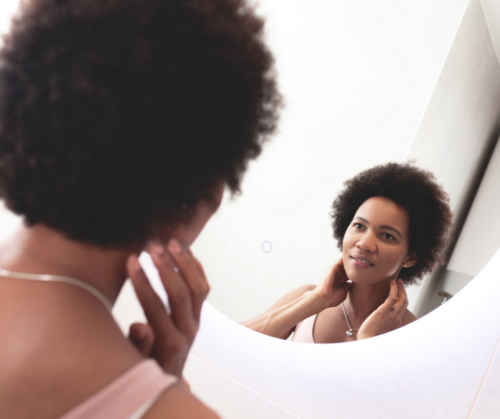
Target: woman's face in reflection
(376,243)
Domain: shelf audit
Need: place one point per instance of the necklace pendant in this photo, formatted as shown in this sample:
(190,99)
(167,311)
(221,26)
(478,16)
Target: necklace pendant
(348,333)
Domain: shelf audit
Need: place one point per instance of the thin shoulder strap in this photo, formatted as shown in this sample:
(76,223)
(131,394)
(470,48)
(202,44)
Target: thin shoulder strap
(129,396)
(304,331)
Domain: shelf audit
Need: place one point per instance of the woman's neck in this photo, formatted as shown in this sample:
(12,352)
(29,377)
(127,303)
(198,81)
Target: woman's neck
(363,300)
(42,250)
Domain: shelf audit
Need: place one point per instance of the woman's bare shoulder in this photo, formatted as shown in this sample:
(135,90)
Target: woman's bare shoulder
(179,403)
(292,295)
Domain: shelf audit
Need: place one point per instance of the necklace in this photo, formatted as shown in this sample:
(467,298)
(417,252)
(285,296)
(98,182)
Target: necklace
(58,278)
(349,332)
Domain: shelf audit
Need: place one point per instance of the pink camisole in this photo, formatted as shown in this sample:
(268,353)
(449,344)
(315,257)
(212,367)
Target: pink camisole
(304,331)
(127,397)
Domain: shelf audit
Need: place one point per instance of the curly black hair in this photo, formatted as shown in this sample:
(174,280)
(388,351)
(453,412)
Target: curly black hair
(118,116)
(431,219)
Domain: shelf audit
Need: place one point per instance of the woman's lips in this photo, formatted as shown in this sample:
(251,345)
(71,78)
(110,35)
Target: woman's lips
(361,262)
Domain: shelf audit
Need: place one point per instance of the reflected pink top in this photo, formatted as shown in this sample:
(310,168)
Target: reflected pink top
(304,330)
(127,397)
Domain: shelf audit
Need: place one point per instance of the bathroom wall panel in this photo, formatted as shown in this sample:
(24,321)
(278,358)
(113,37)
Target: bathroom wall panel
(459,122)
(229,398)
(492,13)
(127,299)
(487,403)
(480,236)
(122,320)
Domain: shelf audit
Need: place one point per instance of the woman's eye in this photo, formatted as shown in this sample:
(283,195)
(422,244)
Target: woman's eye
(358,226)
(388,236)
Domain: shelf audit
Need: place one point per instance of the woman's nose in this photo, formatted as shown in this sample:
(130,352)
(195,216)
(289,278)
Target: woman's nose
(367,242)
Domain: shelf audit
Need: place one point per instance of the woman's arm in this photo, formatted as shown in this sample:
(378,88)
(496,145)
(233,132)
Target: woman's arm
(302,303)
(285,313)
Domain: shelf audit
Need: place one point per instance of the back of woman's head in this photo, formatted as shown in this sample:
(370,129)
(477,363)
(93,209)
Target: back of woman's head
(117,116)
(431,219)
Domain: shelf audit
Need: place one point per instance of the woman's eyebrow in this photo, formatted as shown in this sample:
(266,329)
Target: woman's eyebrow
(362,219)
(391,228)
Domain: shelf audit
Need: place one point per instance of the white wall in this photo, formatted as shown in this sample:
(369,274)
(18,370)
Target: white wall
(460,120)
(7,9)
(365,83)
(492,13)
(480,236)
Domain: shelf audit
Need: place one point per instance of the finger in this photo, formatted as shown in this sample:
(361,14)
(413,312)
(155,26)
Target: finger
(200,268)
(179,296)
(191,273)
(142,336)
(342,269)
(158,319)
(402,302)
(335,277)
(341,265)
(197,263)
(392,299)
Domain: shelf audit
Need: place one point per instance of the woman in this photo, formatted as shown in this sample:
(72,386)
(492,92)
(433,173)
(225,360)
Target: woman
(393,224)
(120,123)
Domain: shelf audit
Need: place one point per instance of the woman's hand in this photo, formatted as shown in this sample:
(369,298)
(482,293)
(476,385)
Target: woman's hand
(389,316)
(168,337)
(335,285)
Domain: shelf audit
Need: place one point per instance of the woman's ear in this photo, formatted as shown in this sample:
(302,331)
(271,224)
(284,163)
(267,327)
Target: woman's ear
(411,260)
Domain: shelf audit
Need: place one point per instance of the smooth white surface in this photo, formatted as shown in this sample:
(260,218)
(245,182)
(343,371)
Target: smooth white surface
(432,368)
(480,236)
(487,404)
(231,398)
(492,12)
(454,281)
(9,222)
(7,9)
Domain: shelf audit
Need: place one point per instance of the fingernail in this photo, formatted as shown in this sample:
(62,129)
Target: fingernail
(174,247)
(393,282)
(157,247)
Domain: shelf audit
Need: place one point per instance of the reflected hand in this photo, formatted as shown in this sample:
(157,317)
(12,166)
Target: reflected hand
(389,316)
(168,337)
(335,285)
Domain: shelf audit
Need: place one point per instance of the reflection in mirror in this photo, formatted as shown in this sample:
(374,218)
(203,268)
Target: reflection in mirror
(392,224)
(360,90)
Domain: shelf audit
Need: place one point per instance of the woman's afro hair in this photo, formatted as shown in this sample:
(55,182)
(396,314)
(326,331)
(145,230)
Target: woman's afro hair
(431,219)
(119,116)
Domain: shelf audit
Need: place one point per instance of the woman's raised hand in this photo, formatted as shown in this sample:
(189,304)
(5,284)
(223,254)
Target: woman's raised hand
(389,316)
(334,286)
(168,337)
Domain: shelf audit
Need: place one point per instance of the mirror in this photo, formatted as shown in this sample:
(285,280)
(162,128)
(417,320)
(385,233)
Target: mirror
(361,89)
